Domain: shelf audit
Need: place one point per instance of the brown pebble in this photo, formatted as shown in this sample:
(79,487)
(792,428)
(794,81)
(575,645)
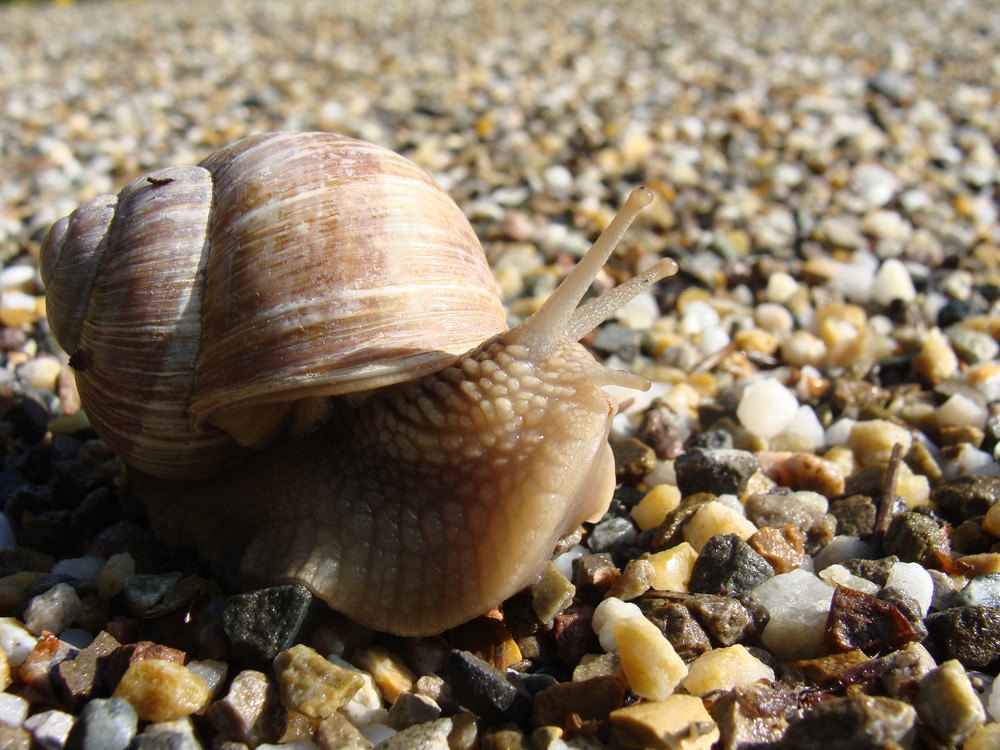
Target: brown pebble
(574,635)
(591,700)
(162,690)
(35,674)
(825,671)
(14,738)
(593,576)
(633,459)
(782,546)
(78,678)
(862,621)
(679,722)
(551,594)
(635,580)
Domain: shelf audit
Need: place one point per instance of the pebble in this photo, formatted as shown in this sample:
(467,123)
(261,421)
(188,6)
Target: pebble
(54,611)
(389,671)
(430,736)
(162,690)
(948,703)
(725,669)
(858,720)
(714,518)
(678,722)
(774,510)
(410,709)
(251,712)
(799,604)
(681,629)
(672,567)
(481,687)
(858,620)
(261,624)
(16,642)
(726,620)
(49,729)
(78,678)
(651,511)
(592,700)
(104,724)
(551,594)
(650,664)
(143,592)
(969,634)
(728,565)
(767,408)
(311,685)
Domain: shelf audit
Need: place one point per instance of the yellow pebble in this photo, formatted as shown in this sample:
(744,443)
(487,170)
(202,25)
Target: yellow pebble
(872,441)
(650,512)
(672,567)
(936,360)
(391,675)
(162,690)
(313,685)
(725,669)
(715,518)
(679,722)
(111,577)
(991,521)
(650,664)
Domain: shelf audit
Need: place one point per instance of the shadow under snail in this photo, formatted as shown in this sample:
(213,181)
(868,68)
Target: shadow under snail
(298,351)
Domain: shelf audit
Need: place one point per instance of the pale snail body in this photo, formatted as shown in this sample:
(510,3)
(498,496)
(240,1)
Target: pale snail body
(312,265)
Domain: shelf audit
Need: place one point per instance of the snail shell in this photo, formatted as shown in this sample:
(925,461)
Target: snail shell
(203,303)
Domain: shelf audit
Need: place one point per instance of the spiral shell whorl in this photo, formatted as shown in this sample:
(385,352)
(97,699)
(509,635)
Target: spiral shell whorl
(205,302)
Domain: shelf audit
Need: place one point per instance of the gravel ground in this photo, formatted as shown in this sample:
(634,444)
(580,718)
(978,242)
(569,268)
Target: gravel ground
(827,178)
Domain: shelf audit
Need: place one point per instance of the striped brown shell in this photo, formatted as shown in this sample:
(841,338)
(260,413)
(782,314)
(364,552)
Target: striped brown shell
(209,309)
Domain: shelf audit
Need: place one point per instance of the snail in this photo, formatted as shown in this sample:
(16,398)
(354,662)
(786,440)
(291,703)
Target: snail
(299,353)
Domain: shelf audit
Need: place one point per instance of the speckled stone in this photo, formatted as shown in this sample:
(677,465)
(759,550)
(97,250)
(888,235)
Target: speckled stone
(312,685)
(479,687)
(729,566)
(781,510)
(78,678)
(681,628)
(914,537)
(263,623)
(856,721)
(715,471)
(162,690)
(251,712)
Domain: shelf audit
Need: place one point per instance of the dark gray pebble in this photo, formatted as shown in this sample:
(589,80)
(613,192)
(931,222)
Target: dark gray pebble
(860,721)
(480,687)
(915,537)
(725,620)
(261,624)
(729,566)
(716,471)
(967,497)
(142,592)
(680,627)
(611,533)
(908,607)
(855,515)
(969,634)
(104,724)
(876,571)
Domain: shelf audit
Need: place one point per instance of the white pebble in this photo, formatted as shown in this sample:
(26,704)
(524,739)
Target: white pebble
(773,317)
(839,575)
(18,277)
(967,460)
(16,642)
(640,312)
(780,287)
(558,179)
(49,729)
(712,340)
(959,411)
(874,183)
(698,316)
(839,432)
(893,282)
(887,225)
(842,548)
(915,581)
(767,408)
(855,279)
(607,613)
(806,425)
(377,733)
(53,611)
(13,709)
(798,603)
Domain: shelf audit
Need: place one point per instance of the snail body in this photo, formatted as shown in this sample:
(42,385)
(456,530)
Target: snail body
(319,387)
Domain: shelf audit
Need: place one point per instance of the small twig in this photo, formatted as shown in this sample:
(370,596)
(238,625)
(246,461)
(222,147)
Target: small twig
(714,358)
(884,517)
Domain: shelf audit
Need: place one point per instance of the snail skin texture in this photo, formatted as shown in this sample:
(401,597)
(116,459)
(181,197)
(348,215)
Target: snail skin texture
(298,351)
